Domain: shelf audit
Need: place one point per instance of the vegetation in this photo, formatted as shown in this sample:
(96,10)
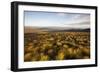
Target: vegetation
(56,46)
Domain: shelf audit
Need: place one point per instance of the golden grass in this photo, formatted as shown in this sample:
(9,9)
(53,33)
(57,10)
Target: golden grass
(56,46)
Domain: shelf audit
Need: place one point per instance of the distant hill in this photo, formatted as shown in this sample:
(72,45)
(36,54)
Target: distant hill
(64,29)
(72,30)
(33,30)
(53,29)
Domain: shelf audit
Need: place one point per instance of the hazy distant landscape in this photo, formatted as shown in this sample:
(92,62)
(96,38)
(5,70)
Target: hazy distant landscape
(53,29)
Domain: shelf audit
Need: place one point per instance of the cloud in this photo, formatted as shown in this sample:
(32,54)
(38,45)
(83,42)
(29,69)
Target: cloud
(61,14)
(79,19)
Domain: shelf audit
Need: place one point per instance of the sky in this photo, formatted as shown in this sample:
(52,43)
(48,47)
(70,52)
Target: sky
(56,19)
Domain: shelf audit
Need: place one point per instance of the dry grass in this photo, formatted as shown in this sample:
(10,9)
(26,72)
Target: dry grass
(56,46)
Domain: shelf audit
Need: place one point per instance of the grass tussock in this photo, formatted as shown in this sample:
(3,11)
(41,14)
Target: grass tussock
(56,46)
